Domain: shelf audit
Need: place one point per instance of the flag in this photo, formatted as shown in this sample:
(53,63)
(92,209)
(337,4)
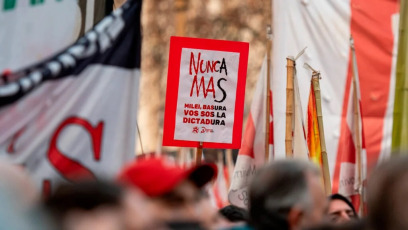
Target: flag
(352,155)
(298,24)
(252,152)
(315,131)
(74,114)
(219,188)
(400,125)
(313,136)
(300,150)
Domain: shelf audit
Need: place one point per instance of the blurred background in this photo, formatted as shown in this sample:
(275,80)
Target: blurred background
(236,20)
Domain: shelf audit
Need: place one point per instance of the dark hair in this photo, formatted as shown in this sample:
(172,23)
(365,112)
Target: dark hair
(275,190)
(234,213)
(85,196)
(386,195)
(337,196)
(359,224)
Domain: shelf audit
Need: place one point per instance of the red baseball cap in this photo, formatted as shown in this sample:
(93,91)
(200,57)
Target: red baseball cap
(157,176)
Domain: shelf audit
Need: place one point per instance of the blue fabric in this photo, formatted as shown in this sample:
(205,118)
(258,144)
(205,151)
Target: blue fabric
(243,227)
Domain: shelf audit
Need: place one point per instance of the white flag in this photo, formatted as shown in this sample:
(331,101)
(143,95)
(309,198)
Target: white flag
(252,152)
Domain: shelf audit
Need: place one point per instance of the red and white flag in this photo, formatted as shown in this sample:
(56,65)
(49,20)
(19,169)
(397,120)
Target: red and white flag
(252,152)
(352,154)
(298,24)
(220,186)
(74,114)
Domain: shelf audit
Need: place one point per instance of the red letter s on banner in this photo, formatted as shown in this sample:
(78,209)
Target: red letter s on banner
(71,169)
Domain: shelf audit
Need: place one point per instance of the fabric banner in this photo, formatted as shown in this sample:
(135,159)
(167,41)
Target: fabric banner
(74,114)
(252,152)
(34,30)
(300,150)
(298,24)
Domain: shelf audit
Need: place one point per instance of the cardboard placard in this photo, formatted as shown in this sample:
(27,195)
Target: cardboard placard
(205,93)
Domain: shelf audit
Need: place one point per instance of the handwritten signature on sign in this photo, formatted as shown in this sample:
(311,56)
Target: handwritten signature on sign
(203,130)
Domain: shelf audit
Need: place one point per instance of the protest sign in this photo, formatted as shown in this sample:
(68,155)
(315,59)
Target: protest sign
(205,93)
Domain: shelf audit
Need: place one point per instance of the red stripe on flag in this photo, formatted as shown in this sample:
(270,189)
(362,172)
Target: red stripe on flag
(371,28)
(355,200)
(217,196)
(346,153)
(247,146)
(344,131)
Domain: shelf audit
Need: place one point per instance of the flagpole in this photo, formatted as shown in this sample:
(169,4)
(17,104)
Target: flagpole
(180,7)
(180,156)
(199,154)
(399,143)
(357,130)
(290,71)
(290,75)
(140,137)
(268,91)
(326,173)
(230,165)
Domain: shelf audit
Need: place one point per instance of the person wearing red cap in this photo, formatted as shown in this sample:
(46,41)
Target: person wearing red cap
(174,193)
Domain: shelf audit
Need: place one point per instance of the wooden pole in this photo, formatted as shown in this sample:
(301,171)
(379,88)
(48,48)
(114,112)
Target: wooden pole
(326,173)
(181,156)
(357,129)
(118,3)
(140,137)
(199,154)
(230,165)
(159,147)
(268,91)
(180,7)
(290,68)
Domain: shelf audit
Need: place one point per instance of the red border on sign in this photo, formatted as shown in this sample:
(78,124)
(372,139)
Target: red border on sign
(173,77)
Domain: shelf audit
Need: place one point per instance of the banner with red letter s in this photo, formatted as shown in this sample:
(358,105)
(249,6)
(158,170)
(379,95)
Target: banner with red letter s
(73,115)
(205,93)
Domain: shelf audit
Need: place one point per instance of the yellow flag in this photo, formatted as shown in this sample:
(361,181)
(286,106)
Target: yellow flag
(313,137)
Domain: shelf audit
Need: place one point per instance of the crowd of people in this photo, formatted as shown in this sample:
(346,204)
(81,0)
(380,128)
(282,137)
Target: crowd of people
(153,193)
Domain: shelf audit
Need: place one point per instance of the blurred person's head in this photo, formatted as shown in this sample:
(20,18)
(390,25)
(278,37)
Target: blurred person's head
(174,193)
(87,205)
(15,180)
(138,210)
(210,218)
(387,195)
(14,214)
(234,213)
(340,209)
(287,194)
(19,200)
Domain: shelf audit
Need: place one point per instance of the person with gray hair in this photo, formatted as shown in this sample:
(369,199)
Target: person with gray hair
(287,195)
